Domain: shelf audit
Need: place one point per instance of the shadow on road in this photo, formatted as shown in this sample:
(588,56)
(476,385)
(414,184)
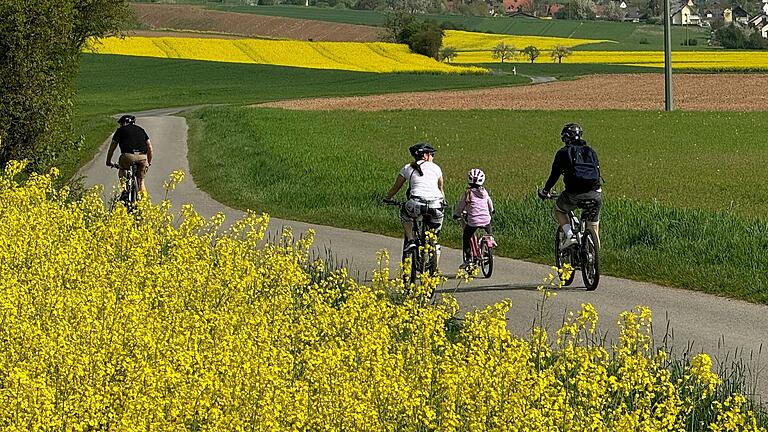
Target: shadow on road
(503,287)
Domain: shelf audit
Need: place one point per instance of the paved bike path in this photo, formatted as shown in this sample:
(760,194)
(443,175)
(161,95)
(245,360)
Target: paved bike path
(713,324)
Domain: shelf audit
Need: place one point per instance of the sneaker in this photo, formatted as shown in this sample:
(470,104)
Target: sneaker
(409,246)
(568,242)
(464,265)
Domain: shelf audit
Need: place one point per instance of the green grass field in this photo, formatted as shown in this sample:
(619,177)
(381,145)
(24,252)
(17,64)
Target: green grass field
(158,83)
(685,200)
(631,36)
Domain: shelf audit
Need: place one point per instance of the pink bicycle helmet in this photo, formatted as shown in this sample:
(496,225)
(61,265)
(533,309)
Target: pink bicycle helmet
(476,176)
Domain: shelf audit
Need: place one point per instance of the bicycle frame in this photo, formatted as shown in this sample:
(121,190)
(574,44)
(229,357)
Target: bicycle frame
(584,255)
(129,195)
(476,243)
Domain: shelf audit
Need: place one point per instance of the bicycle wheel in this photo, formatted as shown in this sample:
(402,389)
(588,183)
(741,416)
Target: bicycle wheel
(562,257)
(486,259)
(590,270)
(409,274)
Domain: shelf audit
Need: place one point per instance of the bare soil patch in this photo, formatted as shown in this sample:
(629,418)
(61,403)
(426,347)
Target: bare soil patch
(692,92)
(184,34)
(166,17)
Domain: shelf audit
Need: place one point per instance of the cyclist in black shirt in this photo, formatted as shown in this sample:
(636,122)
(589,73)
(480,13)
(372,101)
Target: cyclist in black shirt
(135,148)
(578,164)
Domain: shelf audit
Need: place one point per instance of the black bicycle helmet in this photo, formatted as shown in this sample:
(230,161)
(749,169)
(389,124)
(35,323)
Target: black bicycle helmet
(127,119)
(418,150)
(571,132)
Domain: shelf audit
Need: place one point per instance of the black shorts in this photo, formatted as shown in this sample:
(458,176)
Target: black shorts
(590,204)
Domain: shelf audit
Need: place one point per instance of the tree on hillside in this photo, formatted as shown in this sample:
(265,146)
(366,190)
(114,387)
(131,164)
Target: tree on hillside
(422,37)
(531,52)
(559,52)
(40,45)
(448,54)
(503,52)
(613,12)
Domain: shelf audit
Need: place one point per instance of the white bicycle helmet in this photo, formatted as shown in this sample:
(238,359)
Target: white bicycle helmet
(476,176)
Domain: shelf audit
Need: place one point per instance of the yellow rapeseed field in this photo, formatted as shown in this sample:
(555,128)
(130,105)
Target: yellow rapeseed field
(352,56)
(474,41)
(158,322)
(711,60)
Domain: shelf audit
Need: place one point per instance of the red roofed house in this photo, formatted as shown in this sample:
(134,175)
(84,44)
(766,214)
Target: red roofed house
(518,5)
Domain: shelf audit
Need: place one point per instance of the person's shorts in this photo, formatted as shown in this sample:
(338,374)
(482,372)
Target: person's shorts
(128,159)
(430,211)
(590,204)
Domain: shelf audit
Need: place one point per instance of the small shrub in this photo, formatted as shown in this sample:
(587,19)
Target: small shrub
(643,41)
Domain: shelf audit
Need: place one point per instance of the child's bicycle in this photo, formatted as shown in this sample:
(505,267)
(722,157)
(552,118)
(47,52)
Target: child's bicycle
(584,255)
(424,257)
(130,193)
(481,249)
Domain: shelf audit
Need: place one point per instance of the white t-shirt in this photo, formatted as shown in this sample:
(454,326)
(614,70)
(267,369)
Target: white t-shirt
(423,186)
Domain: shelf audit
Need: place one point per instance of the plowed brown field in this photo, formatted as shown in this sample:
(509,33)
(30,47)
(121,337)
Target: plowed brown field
(195,18)
(721,92)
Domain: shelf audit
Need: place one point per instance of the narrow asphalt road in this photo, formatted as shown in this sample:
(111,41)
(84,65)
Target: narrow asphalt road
(711,324)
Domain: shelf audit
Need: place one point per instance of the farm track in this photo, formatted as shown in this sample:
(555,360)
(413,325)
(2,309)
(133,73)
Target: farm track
(192,18)
(709,321)
(692,92)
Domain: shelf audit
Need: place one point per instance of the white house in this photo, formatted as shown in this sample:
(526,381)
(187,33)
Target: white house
(727,16)
(684,15)
(765,6)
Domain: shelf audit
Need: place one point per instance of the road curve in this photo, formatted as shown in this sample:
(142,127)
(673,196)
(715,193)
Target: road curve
(712,324)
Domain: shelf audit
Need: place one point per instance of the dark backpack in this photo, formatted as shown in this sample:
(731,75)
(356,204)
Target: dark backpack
(584,164)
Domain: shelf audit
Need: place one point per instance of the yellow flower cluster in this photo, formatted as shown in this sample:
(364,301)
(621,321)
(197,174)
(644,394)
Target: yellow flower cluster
(707,60)
(474,41)
(150,321)
(352,56)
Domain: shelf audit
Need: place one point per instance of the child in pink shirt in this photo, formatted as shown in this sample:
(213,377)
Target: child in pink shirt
(477,205)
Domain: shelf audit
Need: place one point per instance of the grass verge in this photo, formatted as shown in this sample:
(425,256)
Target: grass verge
(684,205)
(110,84)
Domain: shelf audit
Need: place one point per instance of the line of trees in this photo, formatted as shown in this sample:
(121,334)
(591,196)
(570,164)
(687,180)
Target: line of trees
(503,52)
(40,45)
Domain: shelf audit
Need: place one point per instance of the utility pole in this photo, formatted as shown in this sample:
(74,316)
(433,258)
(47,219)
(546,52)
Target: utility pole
(667,58)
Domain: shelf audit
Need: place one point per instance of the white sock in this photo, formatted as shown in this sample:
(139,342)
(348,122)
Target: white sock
(568,230)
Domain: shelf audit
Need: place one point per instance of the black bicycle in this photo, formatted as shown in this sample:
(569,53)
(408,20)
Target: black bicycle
(130,193)
(425,256)
(584,255)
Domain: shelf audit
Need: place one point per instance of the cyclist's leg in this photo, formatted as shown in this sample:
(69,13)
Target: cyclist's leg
(591,213)
(407,220)
(469,231)
(563,205)
(124,163)
(142,165)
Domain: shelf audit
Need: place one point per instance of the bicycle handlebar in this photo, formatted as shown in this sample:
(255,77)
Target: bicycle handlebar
(391,202)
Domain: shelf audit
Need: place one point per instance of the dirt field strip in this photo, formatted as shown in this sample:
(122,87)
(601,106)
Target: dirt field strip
(204,20)
(692,92)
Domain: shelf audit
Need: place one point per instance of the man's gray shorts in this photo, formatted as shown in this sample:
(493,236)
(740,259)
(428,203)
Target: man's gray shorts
(590,204)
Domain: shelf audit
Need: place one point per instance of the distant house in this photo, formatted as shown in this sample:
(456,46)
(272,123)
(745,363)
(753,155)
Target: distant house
(621,4)
(760,24)
(684,15)
(633,14)
(765,7)
(758,21)
(740,15)
(512,6)
(727,16)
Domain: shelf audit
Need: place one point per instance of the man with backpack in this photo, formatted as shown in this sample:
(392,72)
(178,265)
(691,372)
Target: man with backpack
(578,164)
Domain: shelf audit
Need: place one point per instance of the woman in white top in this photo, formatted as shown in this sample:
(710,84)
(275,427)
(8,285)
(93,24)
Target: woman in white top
(425,195)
